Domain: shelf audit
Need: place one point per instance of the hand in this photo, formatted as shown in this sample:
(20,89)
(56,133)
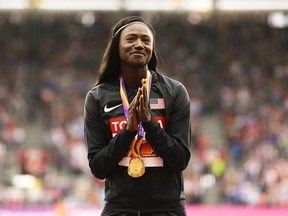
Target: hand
(133,119)
(143,105)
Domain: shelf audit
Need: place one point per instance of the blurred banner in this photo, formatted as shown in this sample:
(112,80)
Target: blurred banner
(146,5)
(191,211)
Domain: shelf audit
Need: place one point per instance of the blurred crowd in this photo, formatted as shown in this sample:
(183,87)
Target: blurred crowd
(235,67)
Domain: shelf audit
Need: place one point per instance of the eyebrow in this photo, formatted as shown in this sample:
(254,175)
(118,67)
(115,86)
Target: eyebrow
(134,34)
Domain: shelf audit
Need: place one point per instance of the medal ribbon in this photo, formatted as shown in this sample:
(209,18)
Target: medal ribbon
(136,143)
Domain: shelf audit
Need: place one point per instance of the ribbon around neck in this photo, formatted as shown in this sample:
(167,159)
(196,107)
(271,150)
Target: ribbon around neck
(135,146)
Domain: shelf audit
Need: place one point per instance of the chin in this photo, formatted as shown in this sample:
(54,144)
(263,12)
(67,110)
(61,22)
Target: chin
(139,63)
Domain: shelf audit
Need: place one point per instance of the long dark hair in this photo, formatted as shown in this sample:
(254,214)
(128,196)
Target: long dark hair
(110,65)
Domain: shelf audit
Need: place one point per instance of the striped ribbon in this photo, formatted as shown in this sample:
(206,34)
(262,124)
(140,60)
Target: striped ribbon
(136,143)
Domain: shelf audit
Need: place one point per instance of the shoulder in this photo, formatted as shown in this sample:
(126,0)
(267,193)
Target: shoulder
(170,85)
(175,95)
(100,90)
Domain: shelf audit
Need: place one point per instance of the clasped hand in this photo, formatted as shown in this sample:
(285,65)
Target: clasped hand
(139,108)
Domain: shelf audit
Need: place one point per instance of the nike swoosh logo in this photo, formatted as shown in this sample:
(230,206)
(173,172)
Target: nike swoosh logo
(106,109)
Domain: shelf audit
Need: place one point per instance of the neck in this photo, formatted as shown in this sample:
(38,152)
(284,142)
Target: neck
(133,77)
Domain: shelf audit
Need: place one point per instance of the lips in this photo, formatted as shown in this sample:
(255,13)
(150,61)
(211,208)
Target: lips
(138,53)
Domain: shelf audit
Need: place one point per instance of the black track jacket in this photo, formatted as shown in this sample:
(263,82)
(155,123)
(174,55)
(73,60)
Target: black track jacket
(167,140)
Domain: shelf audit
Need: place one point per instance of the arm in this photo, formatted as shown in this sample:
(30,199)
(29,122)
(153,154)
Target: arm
(173,145)
(104,152)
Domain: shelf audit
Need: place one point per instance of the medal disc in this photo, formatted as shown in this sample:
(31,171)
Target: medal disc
(136,167)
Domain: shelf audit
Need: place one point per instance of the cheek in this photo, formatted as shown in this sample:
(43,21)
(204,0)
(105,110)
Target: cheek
(122,52)
(150,51)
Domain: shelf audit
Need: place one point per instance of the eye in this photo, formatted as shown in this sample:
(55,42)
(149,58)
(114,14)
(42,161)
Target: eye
(146,40)
(130,39)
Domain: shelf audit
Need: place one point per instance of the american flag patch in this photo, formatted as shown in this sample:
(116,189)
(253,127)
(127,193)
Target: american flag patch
(157,103)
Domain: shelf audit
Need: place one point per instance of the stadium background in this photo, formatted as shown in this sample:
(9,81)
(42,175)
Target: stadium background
(233,61)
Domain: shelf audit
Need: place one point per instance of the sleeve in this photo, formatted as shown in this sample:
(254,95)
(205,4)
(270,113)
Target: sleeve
(104,152)
(173,145)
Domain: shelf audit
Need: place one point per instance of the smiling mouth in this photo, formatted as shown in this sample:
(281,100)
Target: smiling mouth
(138,53)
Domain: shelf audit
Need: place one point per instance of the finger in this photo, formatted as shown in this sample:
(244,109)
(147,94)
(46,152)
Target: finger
(143,89)
(139,93)
(145,95)
(141,107)
(132,105)
(142,101)
(135,99)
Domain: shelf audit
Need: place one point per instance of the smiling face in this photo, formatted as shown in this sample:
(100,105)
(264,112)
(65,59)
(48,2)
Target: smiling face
(136,45)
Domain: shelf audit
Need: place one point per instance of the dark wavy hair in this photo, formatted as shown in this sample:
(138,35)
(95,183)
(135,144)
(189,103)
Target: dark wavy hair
(110,64)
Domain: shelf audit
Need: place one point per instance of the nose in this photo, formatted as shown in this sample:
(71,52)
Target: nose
(138,44)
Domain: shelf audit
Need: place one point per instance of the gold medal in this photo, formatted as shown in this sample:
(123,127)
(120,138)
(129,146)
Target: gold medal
(136,167)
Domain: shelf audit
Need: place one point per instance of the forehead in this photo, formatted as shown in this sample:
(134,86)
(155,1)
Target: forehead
(137,28)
